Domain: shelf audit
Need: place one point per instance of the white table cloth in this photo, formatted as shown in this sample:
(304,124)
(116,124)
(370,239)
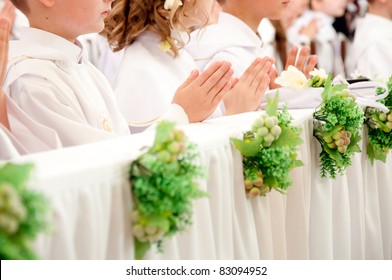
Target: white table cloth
(346,218)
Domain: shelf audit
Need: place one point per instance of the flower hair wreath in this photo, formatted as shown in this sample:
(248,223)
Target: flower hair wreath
(170,3)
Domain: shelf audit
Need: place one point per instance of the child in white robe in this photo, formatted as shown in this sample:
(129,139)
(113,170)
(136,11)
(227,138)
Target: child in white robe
(372,55)
(50,79)
(327,41)
(154,66)
(236,39)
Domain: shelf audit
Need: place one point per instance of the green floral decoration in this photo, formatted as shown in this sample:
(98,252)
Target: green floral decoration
(269,151)
(23,213)
(379,125)
(164,184)
(338,122)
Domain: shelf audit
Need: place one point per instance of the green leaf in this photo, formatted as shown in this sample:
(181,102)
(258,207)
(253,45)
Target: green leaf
(375,154)
(272,182)
(298,163)
(326,94)
(141,248)
(16,175)
(334,154)
(354,148)
(159,221)
(287,138)
(355,139)
(248,148)
(370,152)
(17,245)
(332,131)
(163,132)
(272,105)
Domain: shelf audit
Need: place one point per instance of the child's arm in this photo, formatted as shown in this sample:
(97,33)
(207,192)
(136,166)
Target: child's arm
(4,38)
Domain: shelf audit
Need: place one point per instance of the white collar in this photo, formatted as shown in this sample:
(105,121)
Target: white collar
(60,48)
(241,26)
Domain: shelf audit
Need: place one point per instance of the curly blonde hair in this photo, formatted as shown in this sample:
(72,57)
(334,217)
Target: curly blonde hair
(130,18)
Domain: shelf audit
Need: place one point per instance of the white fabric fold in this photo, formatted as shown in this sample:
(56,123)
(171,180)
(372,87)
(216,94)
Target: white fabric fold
(311,97)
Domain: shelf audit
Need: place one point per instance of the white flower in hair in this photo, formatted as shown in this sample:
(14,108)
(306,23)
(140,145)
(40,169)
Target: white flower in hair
(170,3)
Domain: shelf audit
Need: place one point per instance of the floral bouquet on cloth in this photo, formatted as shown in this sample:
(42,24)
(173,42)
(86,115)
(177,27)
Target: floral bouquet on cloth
(269,151)
(338,119)
(338,122)
(379,124)
(23,213)
(164,183)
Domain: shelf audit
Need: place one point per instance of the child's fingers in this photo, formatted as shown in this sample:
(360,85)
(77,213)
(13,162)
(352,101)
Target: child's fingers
(302,58)
(212,75)
(4,39)
(221,84)
(194,74)
(250,71)
(291,57)
(265,68)
(218,97)
(312,62)
(234,81)
(263,85)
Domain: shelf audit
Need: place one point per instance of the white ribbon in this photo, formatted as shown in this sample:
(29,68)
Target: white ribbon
(366,94)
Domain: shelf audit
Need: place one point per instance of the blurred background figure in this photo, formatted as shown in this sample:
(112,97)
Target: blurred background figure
(316,25)
(277,41)
(371,50)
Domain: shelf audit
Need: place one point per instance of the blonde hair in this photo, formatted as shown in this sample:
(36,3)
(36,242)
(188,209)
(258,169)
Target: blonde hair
(130,18)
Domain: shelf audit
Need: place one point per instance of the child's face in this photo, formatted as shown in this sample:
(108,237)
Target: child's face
(272,9)
(333,8)
(76,17)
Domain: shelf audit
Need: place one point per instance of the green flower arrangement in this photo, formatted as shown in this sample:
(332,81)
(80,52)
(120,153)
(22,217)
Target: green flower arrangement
(338,122)
(164,184)
(269,151)
(379,125)
(23,213)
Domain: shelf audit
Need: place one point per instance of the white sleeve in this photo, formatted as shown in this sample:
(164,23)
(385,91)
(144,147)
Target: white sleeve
(144,101)
(7,149)
(231,55)
(43,102)
(376,61)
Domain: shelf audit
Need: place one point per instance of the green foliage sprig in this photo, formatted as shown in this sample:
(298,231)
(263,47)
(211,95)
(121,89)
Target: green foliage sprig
(379,126)
(269,151)
(164,183)
(338,122)
(23,213)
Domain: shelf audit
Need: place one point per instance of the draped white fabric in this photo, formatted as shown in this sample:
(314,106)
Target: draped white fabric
(346,218)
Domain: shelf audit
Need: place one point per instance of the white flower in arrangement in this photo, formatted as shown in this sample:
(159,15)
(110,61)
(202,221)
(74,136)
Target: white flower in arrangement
(356,75)
(170,3)
(320,73)
(292,78)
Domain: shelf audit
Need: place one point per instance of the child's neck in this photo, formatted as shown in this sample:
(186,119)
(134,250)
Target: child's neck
(379,11)
(53,30)
(252,21)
